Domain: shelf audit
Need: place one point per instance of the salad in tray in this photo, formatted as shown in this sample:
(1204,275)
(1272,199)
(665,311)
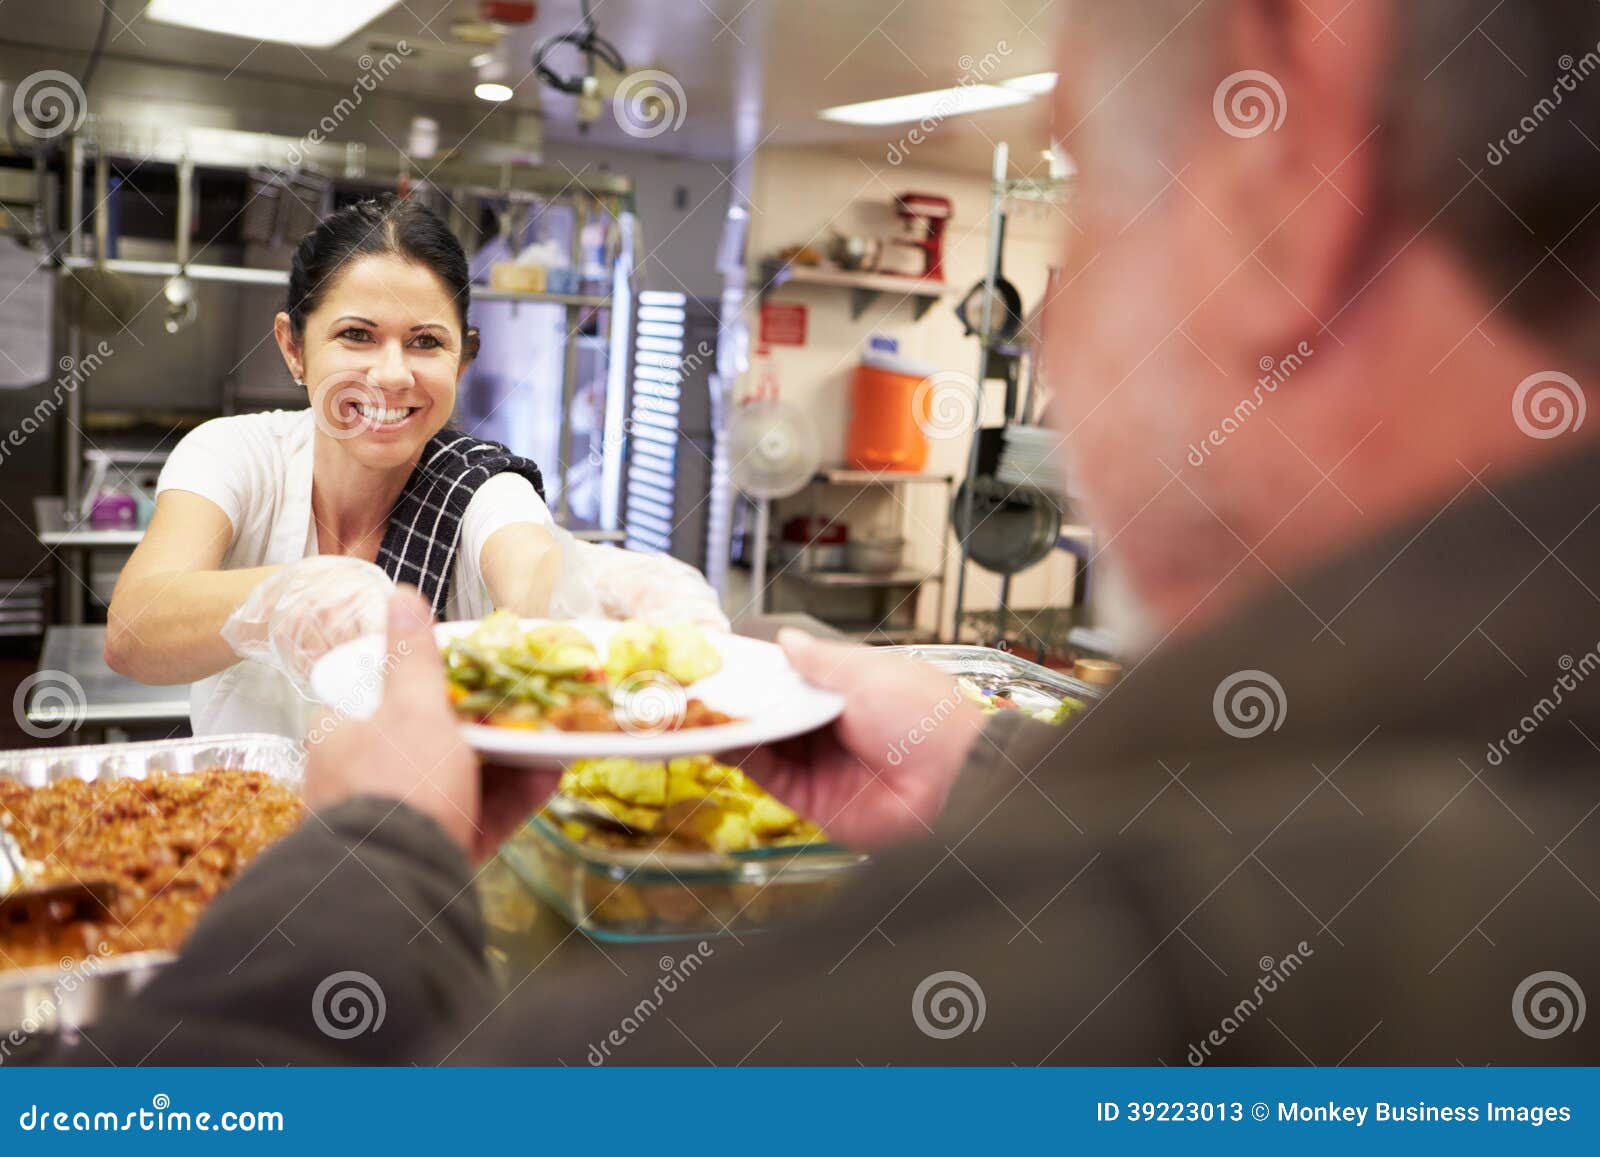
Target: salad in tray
(995,700)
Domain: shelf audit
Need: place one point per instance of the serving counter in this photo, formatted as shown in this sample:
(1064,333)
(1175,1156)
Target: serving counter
(727,895)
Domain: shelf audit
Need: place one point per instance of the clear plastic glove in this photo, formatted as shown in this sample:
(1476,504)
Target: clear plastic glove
(603,581)
(305,610)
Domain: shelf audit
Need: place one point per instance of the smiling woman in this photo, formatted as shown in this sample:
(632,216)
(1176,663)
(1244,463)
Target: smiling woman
(369,477)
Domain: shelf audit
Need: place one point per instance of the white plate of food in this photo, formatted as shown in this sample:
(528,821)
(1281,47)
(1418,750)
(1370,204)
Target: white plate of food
(536,692)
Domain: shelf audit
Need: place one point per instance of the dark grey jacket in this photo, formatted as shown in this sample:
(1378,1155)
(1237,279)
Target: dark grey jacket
(1403,866)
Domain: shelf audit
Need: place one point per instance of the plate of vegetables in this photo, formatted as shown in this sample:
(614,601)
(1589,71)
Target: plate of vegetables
(533,692)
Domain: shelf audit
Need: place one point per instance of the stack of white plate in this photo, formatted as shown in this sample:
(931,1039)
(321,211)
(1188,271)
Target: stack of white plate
(1028,458)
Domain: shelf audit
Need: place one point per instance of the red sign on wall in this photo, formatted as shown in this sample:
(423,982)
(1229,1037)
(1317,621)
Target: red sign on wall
(783,323)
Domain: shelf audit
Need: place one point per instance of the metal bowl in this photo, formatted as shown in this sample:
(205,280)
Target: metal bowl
(855,253)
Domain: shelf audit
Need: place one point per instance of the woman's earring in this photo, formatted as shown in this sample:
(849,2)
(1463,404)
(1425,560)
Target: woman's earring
(301,382)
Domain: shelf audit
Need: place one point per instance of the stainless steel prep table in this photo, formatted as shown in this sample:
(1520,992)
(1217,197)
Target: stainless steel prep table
(108,699)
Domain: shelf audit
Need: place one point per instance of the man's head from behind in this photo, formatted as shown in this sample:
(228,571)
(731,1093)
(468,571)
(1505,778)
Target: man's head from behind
(1318,248)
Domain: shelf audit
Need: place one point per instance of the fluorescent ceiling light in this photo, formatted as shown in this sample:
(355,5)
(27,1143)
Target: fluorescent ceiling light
(916,106)
(494,92)
(312,23)
(1034,84)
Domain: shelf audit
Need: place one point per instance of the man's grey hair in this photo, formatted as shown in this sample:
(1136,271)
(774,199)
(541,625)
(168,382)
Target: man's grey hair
(1489,130)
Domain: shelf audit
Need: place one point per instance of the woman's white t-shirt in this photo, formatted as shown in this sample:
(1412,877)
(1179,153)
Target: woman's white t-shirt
(257,468)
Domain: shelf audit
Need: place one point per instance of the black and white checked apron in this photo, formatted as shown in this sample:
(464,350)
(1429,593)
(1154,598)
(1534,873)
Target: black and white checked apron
(419,547)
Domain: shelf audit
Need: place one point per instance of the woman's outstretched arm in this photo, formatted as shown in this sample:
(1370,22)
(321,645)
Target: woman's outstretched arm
(520,564)
(171,600)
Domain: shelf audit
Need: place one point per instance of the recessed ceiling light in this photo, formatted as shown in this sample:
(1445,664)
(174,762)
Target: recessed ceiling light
(940,103)
(312,23)
(494,92)
(1034,84)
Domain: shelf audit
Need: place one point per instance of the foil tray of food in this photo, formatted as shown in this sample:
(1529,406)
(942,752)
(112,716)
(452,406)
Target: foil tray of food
(168,824)
(1000,681)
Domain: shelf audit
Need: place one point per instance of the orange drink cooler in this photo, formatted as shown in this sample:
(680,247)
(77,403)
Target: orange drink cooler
(888,413)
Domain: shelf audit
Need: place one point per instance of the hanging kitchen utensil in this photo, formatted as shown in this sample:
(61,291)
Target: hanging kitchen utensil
(1006,528)
(1031,332)
(1005,312)
(259,223)
(282,205)
(97,299)
(1005,517)
(182,304)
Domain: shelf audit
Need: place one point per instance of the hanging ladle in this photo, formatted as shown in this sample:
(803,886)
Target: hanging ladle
(182,305)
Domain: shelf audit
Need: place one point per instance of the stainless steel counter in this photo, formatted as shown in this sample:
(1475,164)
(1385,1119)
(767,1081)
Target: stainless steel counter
(75,689)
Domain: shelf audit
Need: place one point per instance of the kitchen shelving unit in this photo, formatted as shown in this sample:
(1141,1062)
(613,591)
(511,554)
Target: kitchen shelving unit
(864,287)
(830,583)
(235,275)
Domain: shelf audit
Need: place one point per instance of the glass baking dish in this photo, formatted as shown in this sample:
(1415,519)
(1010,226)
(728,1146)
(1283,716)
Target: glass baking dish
(994,672)
(634,895)
(77,992)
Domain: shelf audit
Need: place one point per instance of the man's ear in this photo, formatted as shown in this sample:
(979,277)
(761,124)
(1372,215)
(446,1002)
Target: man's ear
(1293,170)
(289,346)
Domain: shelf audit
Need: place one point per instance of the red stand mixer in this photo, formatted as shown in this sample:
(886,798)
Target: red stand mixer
(924,216)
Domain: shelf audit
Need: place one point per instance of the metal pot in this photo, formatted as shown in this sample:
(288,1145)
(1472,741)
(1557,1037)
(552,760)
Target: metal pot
(855,253)
(1011,528)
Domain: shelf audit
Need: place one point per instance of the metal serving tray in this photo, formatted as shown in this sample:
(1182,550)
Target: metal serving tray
(1002,673)
(48,999)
